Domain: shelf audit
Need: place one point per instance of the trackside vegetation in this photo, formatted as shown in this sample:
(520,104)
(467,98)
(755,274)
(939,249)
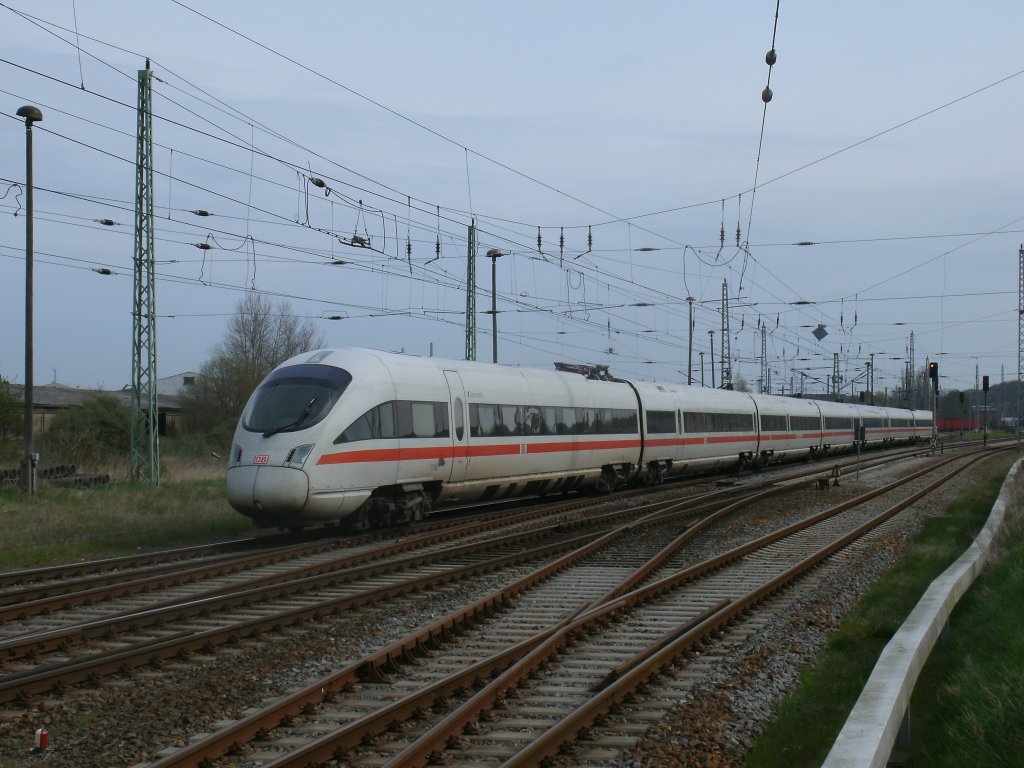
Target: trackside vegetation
(66,525)
(968,708)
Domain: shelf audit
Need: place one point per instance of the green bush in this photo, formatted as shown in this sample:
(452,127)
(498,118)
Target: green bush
(94,437)
(12,410)
(200,444)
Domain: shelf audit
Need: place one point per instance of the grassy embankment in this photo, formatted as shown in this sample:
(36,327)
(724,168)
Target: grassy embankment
(968,707)
(59,526)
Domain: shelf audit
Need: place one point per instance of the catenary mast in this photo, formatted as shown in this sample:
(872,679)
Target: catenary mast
(144,460)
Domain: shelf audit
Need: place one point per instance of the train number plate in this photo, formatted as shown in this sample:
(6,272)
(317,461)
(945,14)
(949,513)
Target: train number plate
(261,459)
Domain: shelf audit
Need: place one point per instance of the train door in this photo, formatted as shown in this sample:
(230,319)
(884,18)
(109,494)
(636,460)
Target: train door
(760,443)
(459,426)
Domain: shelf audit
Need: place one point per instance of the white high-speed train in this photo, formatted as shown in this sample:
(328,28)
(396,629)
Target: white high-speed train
(378,439)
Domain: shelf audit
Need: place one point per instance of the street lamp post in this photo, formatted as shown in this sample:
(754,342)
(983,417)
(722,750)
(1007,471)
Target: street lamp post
(871,378)
(494,253)
(711,336)
(701,368)
(31,115)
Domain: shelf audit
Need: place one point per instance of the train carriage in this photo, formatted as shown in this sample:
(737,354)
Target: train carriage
(537,431)
(789,428)
(379,439)
(839,423)
(401,434)
(664,442)
(923,425)
(720,428)
(875,421)
(901,425)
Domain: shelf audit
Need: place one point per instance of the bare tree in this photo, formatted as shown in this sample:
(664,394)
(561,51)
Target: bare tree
(262,336)
(258,338)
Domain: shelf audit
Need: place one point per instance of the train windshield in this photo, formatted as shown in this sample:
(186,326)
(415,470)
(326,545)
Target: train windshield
(294,398)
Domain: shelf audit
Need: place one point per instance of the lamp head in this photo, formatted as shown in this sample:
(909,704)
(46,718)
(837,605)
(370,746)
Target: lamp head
(30,113)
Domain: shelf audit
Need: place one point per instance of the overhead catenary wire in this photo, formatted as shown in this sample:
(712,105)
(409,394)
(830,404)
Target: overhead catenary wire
(241,116)
(410,224)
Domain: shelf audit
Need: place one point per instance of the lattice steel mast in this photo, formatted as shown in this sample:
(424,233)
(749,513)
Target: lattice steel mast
(915,400)
(726,351)
(471,294)
(144,461)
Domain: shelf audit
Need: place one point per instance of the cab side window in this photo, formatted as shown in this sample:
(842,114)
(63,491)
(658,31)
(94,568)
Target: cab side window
(378,423)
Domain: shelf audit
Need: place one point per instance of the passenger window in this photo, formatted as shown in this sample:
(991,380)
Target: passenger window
(583,421)
(550,419)
(459,420)
(533,420)
(566,424)
(510,420)
(423,420)
(661,422)
(484,420)
(440,419)
(387,420)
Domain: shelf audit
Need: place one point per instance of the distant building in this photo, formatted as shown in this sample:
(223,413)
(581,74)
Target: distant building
(175,385)
(50,399)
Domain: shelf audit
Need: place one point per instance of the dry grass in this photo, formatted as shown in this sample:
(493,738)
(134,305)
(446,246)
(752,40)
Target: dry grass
(57,526)
(173,466)
(190,468)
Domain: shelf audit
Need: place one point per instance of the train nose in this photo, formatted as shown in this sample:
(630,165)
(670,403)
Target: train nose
(252,489)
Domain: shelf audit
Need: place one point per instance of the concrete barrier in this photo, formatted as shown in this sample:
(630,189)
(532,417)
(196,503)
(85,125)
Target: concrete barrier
(867,738)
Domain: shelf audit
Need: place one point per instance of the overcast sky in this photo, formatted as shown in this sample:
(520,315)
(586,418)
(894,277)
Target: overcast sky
(632,129)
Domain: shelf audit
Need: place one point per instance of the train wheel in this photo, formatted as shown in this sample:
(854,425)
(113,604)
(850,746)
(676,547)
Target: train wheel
(609,481)
(416,507)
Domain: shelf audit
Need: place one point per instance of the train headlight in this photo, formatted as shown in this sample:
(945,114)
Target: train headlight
(297,456)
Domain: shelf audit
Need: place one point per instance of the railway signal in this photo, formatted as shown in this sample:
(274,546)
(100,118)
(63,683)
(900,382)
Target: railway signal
(933,374)
(984,388)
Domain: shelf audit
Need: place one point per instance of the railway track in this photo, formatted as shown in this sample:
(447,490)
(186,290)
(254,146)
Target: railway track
(230,598)
(197,572)
(577,639)
(48,589)
(92,641)
(97,643)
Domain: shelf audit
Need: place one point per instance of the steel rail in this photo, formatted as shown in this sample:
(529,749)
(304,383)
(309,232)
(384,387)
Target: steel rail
(277,586)
(216,744)
(40,599)
(316,575)
(375,665)
(28,597)
(645,666)
(28,575)
(23,576)
(20,685)
(420,751)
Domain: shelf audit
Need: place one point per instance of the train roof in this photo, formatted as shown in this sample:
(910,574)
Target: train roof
(349,357)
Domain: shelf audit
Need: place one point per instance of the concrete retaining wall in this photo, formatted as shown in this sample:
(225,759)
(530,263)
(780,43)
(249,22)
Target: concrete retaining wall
(867,738)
